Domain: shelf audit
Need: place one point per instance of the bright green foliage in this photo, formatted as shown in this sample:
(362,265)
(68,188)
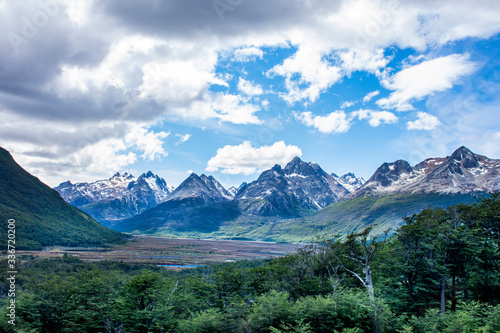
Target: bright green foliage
(269,310)
(442,256)
(212,320)
(473,317)
(143,306)
(47,306)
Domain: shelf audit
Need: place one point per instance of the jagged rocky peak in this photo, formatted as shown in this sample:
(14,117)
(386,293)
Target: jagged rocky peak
(429,165)
(349,181)
(350,177)
(65,184)
(101,198)
(232,190)
(122,177)
(462,172)
(237,190)
(148,174)
(215,185)
(203,187)
(387,173)
(209,178)
(276,168)
(295,164)
(465,157)
(299,185)
(192,176)
(192,180)
(156,183)
(299,167)
(152,177)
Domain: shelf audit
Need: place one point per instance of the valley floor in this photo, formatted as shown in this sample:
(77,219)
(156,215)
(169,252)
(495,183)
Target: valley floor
(173,252)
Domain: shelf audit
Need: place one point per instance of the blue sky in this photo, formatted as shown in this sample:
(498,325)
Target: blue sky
(230,88)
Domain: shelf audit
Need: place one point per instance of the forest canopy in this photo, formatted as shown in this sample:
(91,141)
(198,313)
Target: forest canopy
(438,272)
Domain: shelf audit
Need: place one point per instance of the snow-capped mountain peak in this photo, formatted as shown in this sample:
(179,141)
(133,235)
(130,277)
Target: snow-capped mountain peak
(349,181)
(208,189)
(297,184)
(120,196)
(232,190)
(462,172)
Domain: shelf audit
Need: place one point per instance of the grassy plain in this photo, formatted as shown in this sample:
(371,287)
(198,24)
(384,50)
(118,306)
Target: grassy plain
(172,251)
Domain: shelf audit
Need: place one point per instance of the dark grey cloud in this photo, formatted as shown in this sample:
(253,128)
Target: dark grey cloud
(96,105)
(223,18)
(58,138)
(32,50)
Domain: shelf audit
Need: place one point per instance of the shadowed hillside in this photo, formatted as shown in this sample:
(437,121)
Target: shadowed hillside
(42,217)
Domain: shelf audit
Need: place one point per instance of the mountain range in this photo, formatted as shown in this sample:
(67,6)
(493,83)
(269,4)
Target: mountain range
(298,189)
(121,196)
(297,202)
(462,172)
(283,203)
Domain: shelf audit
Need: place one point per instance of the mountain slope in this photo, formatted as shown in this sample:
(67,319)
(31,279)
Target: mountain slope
(462,172)
(228,221)
(353,215)
(341,217)
(42,217)
(200,203)
(207,189)
(296,189)
(121,196)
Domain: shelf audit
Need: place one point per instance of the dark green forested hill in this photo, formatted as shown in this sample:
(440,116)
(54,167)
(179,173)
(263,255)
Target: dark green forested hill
(42,217)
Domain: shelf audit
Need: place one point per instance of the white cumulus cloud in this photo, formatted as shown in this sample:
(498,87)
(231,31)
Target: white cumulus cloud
(225,107)
(335,122)
(248,88)
(424,79)
(425,121)
(248,53)
(149,142)
(315,73)
(246,159)
(176,82)
(376,118)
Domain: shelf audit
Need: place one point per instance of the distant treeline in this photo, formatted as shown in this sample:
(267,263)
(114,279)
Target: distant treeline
(439,272)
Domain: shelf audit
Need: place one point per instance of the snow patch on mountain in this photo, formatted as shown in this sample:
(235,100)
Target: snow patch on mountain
(349,181)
